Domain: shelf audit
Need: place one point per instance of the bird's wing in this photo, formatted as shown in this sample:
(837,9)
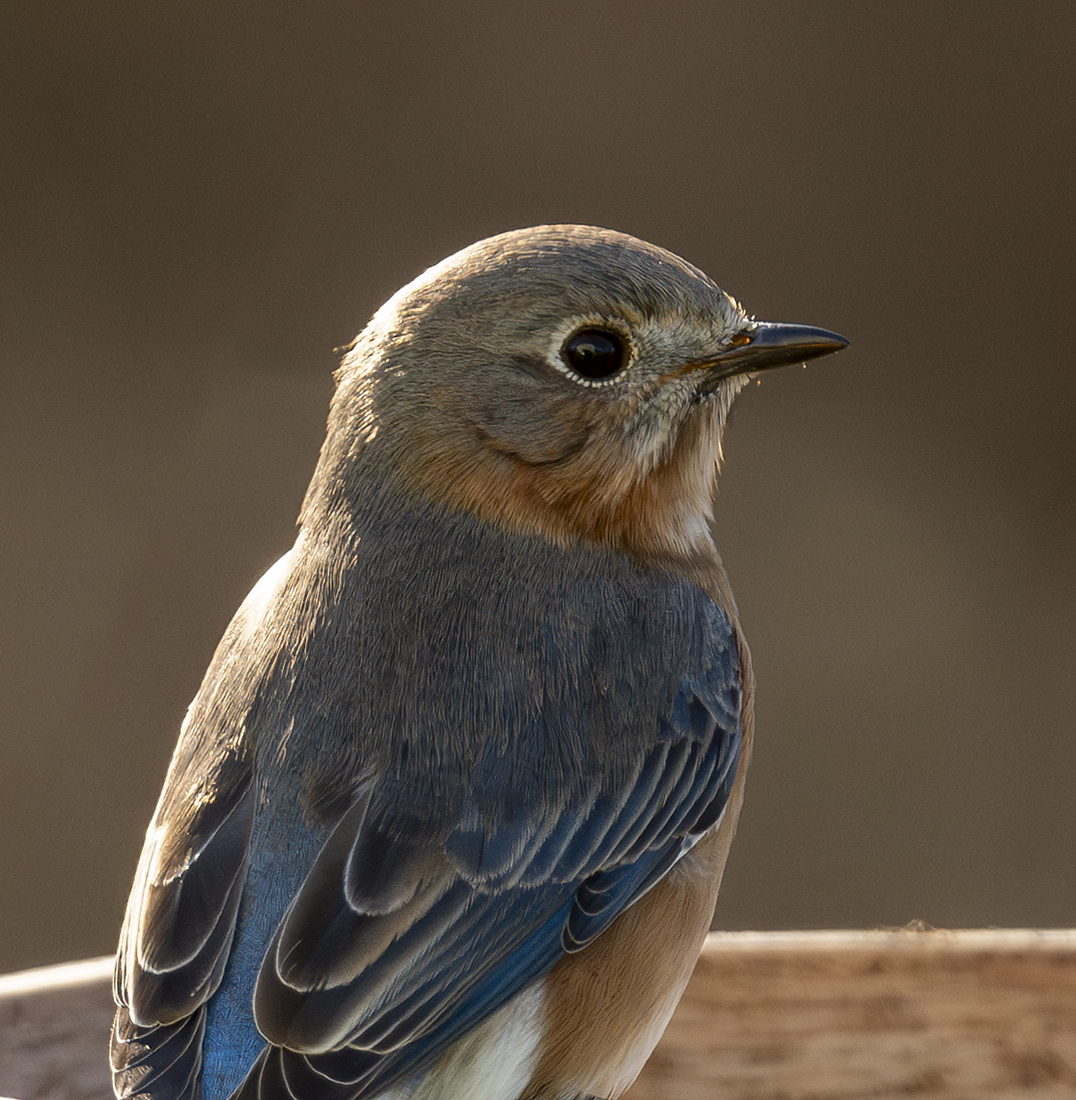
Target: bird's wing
(414,925)
(180,920)
(178,931)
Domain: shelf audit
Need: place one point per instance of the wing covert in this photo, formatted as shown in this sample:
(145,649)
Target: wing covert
(374,970)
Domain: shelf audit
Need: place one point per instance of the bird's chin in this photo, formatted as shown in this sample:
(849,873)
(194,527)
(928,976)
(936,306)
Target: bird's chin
(719,388)
(713,392)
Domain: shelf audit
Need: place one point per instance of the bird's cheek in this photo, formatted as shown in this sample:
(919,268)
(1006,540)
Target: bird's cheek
(537,432)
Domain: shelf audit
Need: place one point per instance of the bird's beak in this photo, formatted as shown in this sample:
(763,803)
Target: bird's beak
(767,344)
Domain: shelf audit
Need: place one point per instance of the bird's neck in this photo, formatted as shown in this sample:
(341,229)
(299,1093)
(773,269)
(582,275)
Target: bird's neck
(658,510)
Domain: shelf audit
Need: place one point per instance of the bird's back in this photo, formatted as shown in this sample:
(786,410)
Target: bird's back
(518,668)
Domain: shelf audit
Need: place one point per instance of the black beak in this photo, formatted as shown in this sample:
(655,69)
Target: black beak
(767,344)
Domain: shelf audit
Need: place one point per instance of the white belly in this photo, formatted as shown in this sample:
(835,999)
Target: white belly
(493,1062)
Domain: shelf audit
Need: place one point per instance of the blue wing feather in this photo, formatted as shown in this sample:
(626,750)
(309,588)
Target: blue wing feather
(448,988)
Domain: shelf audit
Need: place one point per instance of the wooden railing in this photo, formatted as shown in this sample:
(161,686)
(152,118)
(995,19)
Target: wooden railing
(968,1015)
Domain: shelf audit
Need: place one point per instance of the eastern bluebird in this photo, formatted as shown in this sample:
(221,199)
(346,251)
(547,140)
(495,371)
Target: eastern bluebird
(448,814)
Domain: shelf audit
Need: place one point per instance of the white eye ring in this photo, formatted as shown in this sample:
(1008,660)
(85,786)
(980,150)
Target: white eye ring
(596,354)
(593,353)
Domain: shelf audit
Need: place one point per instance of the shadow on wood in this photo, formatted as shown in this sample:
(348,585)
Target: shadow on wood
(970,1015)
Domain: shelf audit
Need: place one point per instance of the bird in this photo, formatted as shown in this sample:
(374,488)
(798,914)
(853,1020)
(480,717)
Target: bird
(448,815)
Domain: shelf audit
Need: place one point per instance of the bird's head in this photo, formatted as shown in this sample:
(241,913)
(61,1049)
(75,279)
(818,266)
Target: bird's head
(562,380)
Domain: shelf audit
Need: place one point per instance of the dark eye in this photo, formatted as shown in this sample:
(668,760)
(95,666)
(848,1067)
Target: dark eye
(595,353)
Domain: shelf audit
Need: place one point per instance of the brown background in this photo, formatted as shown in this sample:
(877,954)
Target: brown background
(200,200)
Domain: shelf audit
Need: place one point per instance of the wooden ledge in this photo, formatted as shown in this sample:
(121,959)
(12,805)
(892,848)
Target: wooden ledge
(967,1015)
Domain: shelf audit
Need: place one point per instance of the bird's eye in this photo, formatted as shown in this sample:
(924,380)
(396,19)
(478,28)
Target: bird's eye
(595,353)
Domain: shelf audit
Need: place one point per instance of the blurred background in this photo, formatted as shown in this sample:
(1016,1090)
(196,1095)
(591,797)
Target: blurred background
(200,202)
